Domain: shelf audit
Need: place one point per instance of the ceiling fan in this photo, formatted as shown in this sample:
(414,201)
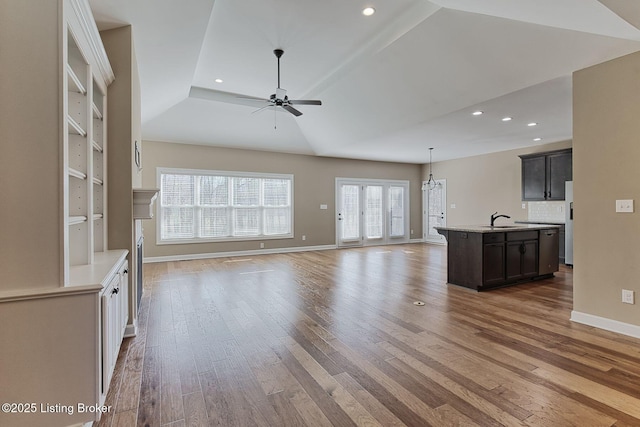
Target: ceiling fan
(280,98)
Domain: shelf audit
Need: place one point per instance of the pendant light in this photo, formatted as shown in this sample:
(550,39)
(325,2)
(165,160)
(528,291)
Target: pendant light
(431,183)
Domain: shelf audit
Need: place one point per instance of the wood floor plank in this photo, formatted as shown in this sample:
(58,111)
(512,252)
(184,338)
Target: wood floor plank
(149,404)
(194,410)
(358,414)
(171,408)
(124,419)
(333,338)
(370,403)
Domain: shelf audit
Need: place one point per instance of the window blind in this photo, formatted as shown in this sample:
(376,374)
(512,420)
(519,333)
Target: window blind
(213,206)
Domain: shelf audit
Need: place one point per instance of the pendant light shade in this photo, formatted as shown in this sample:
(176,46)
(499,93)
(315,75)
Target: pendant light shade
(431,183)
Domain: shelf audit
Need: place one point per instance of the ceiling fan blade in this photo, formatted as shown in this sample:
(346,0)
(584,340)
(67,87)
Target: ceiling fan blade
(292,110)
(252,98)
(228,97)
(262,108)
(305,102)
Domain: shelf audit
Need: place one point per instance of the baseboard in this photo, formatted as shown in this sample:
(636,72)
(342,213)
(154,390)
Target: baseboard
(416,240)
(606,324)
(131,330)
(189,257)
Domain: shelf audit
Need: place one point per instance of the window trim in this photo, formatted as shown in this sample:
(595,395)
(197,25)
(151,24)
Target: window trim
(232,174)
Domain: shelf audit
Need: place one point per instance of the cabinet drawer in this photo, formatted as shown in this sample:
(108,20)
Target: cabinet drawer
(522,235)
(493,237)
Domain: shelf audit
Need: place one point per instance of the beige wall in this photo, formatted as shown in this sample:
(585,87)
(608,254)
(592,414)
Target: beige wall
(30,149)
(118,44)
(482,185)
(314,182)
(606,128)
(123,128)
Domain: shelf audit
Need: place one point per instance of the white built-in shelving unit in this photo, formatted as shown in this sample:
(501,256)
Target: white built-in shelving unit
(85,155)
(73,305)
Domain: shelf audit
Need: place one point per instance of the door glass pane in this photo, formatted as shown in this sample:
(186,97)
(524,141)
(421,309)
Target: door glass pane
(436,209)
(350,212)
(396,211)
(373,212)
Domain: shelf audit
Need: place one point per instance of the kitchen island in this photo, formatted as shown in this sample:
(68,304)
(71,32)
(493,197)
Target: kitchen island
(484,257)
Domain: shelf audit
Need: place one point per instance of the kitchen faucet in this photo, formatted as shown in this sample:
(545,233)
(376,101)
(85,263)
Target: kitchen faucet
(495,216)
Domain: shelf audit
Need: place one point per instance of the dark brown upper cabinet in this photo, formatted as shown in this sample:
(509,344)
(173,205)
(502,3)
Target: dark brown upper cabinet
(544,175)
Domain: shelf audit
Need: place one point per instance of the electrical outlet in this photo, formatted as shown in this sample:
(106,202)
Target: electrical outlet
(624,205)
(261,245)
(628,296)
(524,206)
(304,237)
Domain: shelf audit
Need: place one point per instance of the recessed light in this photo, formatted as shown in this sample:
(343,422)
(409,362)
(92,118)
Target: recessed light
(537,139)
(532,124)
(368,11)
(477,113)
(218,80)
(506,119)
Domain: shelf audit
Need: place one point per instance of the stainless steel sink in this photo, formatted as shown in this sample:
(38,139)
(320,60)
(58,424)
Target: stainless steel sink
(498,226)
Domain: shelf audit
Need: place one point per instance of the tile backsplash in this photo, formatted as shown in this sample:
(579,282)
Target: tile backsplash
(546,211)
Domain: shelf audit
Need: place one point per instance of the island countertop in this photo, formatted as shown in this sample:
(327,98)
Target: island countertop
(497,228)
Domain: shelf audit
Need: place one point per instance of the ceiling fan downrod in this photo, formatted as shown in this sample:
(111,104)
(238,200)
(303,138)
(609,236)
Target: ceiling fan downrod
(278,53)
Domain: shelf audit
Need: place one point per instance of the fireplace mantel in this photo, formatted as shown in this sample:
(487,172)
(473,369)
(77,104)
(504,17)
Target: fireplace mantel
(143,199)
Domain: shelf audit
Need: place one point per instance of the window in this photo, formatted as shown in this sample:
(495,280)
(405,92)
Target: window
(200,206)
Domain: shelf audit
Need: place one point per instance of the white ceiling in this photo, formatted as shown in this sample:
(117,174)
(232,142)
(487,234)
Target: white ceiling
(392,85)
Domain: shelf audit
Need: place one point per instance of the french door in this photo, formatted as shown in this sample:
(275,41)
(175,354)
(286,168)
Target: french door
(434,211)
(371,212)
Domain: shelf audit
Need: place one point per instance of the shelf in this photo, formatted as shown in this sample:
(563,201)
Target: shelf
(96,147)
(77,174)
(75,85)
(77,219)
(74,127)
(97,216)
(96,112)
(97,181)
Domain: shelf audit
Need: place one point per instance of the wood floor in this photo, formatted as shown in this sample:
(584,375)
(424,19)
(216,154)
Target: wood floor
(333,338)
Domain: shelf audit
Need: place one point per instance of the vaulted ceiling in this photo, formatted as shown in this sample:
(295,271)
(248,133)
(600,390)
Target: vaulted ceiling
(392,84)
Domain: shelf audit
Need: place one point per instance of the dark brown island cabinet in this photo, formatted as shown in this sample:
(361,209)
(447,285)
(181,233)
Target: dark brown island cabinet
(483,257)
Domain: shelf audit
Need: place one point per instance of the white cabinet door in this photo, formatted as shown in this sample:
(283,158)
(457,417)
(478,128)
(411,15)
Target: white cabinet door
(110,309)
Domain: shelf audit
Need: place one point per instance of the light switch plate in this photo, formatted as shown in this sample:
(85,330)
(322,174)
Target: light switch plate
(323,207)
(624,205)
(627,296)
